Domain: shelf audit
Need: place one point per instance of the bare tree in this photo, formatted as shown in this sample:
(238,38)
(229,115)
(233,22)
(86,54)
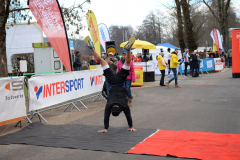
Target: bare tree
(221,15)
(180,33)
(116,34)
(188,25)
(13,11)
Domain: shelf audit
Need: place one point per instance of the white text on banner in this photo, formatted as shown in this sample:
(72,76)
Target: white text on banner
(52,89)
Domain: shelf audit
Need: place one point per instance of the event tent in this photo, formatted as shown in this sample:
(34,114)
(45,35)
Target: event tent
(168,45)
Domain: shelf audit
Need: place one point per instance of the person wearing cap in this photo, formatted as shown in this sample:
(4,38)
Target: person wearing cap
(117,101)
(112,62)
(174,64)
(77,63)
(185,56)
(162,67)
(169,58)
(130,77)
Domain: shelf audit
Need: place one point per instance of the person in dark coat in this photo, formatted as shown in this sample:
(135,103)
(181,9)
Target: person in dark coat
(77,62)
(117,101)
(92,61)
(194,62)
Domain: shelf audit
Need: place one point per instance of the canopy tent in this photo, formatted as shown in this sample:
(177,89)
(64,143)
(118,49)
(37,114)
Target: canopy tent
(140,44)
(168,45)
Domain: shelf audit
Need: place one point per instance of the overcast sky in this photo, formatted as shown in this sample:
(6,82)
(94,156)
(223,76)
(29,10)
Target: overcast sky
(124,12)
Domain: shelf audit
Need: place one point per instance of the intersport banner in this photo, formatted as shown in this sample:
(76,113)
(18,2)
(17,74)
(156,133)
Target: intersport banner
(48,15)
(93,30)
(52,89)
(216,36)
(104,35)
(12,101)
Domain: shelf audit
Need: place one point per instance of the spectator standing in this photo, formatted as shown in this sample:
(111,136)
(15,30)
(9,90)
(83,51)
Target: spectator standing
(77,62)
(145,58)
(93,61)
(118,58)
(130,77)
(113,63)
(169,58)
(137,58)
(185,56)
(140,56)
(174,64)
(162,67)
(195,65)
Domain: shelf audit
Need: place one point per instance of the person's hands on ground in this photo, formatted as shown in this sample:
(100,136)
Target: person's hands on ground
(132,129)
(103,131)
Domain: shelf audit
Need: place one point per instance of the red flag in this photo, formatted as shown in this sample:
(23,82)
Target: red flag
(48,15)
(215,37)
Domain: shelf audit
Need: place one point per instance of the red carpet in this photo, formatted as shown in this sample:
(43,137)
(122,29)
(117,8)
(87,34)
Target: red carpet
(186,144)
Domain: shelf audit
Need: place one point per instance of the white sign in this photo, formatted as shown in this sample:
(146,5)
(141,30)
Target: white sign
(147,66)
(52,89)
(23,65)
(218,64)
(12,100)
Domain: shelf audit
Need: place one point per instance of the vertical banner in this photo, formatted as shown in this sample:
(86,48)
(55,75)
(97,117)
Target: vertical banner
(12,108)
(48,15)
(93,30)
(236,51)
(104,35)
(216,36)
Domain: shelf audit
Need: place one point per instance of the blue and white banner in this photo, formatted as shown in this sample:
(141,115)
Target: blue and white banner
(208,64)
(104,35)
(48,90)
(182,68)
(205,65)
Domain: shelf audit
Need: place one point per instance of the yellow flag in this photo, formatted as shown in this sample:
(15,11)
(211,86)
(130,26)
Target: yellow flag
(93,30)
(214,47)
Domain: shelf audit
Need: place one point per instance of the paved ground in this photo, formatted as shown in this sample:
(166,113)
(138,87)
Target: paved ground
(209,103)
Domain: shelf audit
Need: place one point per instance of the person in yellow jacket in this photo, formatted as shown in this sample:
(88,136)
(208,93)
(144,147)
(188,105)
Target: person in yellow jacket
(174,64)
(162,66)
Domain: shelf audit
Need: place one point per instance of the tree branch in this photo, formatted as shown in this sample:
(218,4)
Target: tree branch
(211,10)
(19,9)
(7,11)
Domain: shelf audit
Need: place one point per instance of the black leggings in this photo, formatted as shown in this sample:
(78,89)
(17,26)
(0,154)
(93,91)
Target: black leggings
(162,78)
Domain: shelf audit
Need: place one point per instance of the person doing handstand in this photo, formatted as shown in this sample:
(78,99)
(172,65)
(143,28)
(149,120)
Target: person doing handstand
(117,101)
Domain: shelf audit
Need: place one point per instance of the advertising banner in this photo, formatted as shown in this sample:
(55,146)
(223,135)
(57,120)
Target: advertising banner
(48,15)
(218,64)
(12,108)
(104,35)
(93,30)
(208,64)
(182,68)
(147,66)
(236,51)
(52,89)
